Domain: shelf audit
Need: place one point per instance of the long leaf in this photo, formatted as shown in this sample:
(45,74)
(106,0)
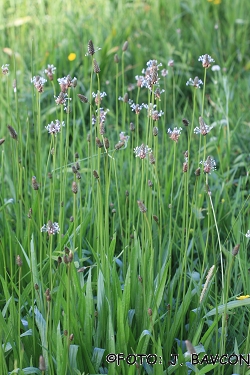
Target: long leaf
(228,306)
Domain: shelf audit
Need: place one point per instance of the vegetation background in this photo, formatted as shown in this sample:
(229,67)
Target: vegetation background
(148,254)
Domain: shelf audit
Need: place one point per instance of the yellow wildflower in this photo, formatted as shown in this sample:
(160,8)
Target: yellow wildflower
(72,56)
(243,297)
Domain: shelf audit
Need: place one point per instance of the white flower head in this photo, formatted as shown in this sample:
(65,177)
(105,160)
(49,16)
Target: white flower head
(206,60)
(50,70)
(54,127)
(204,129)
(142,151)
(248,234)
(209,165)
(51,228)
(174,134)
(215,68)
(196,82)
(5,69)
(123,137)
(38,82)
(137,108)
(164,72)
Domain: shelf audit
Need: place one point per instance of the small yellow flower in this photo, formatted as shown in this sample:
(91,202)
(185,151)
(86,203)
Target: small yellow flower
(243,297)
(72,56)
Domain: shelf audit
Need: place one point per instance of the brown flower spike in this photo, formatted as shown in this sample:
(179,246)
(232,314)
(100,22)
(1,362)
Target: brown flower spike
(96,67)
(12,132)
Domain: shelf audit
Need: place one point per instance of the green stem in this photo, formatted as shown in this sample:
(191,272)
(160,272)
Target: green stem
(203,93)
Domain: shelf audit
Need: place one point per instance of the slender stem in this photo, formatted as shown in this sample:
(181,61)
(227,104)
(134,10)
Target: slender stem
(218,235)
(19,313)
(116,96)
(174,109)
(203,93)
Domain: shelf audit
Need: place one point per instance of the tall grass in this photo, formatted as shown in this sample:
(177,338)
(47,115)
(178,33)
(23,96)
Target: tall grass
(117,233)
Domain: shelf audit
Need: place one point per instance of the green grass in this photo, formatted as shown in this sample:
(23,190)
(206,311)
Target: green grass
(126,272)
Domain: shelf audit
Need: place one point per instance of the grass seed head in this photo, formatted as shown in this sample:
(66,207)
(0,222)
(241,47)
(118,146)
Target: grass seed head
(30,213)
(65,259)
(19,261)
(98,143)
(35,185)
(236,250)
(156,219)
(197,172)
(125,46)
(141,206)
(42,366)
(116,59)
(91,49)
(190,347)
(102,128)
(95,174)
(82,98)
(12,132)
(150,311)
(151,158)
(132,127)
(119,145)
(71,256)
(125,98)
(155,131)
(48,295)
(185,122)
(185,167)
(96,67)
(106,143)
(74,187)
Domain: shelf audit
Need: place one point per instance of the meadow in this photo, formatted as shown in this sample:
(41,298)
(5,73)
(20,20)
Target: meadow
(124,187)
